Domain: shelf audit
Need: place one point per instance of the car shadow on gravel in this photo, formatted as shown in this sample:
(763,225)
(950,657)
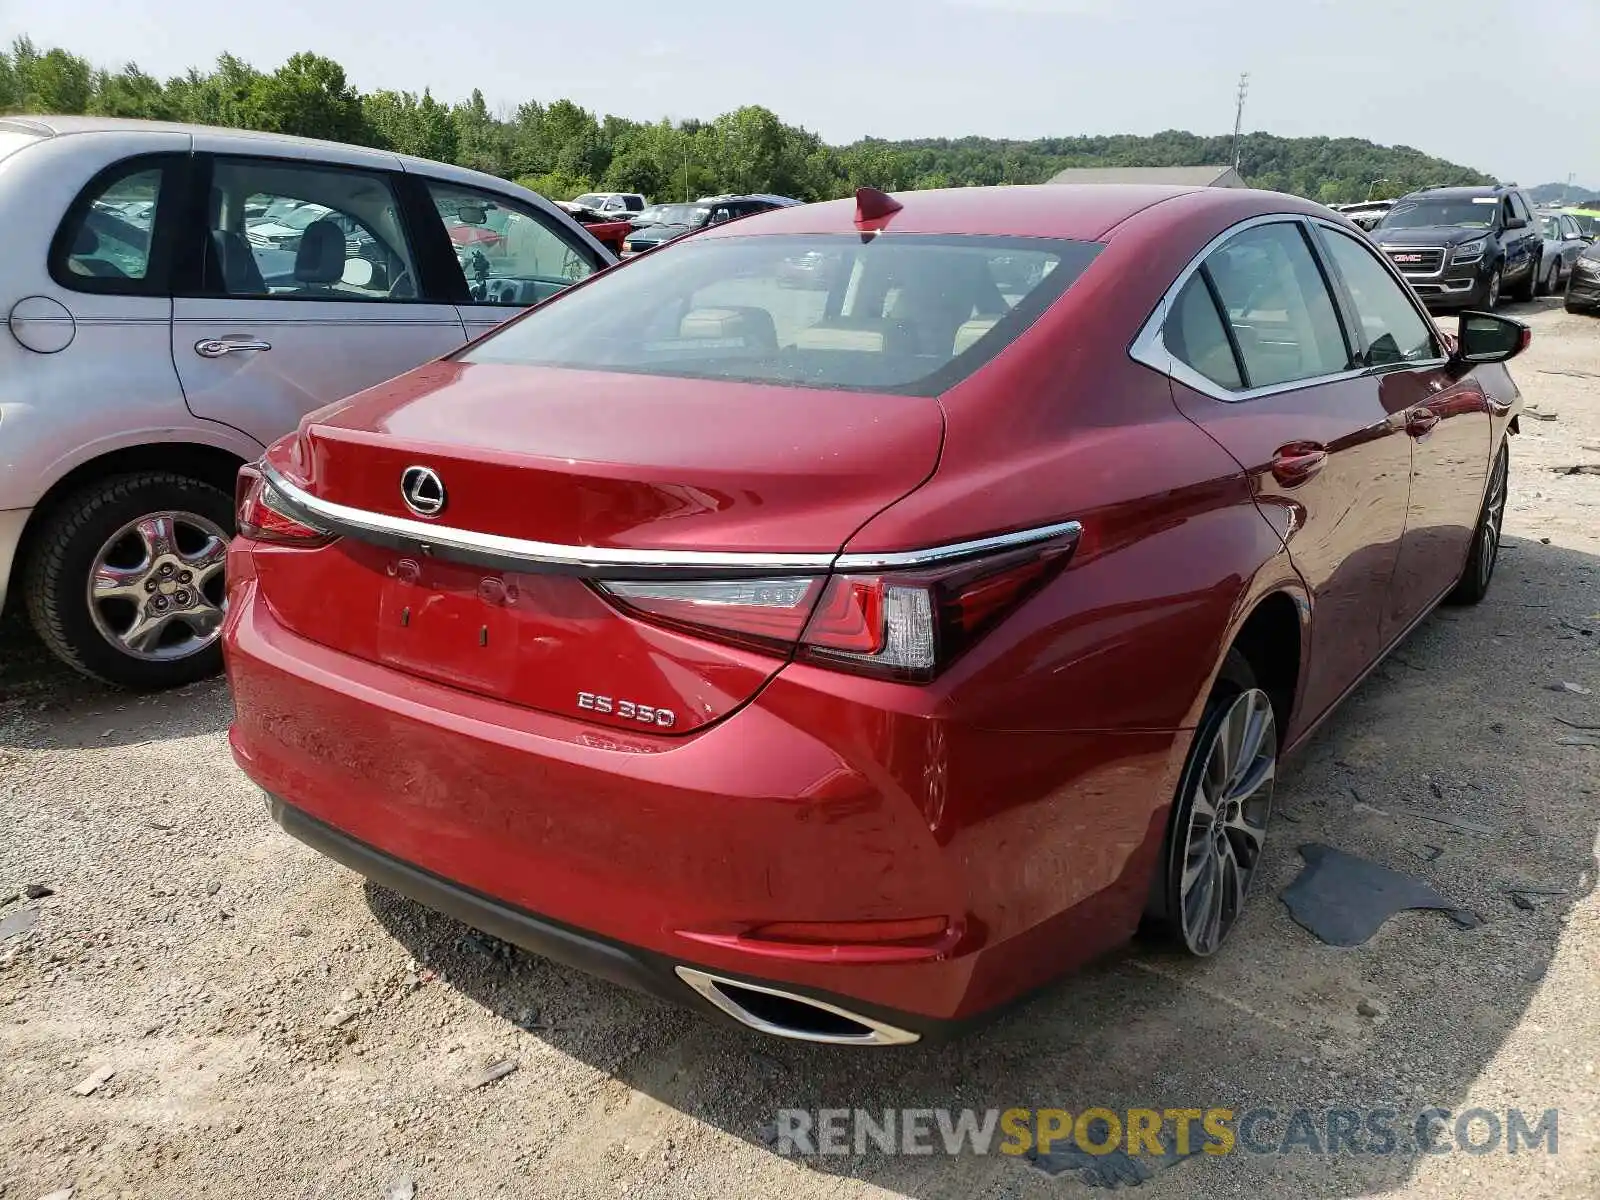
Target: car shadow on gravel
(58,707)
(1465,720)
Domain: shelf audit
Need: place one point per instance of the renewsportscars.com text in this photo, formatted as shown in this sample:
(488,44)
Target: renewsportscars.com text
(1164,1132)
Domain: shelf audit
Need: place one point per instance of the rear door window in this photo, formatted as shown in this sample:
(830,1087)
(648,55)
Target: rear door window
(906,313)
(281,230)
(1195,335)
(1278,306)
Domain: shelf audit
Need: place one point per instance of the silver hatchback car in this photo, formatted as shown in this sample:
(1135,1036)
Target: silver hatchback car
(179,296)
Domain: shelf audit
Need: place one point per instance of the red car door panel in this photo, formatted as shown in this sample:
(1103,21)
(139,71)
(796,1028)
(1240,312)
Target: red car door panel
(1447,417)
(1345,509)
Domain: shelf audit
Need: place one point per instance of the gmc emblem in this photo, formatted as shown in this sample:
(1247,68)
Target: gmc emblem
(1408,258)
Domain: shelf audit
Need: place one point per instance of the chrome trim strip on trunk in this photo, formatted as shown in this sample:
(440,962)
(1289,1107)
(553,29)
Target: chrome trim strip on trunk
(873,1032)
(867,560)
(599,562)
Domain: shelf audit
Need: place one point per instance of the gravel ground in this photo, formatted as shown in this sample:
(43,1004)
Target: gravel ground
(278,1028)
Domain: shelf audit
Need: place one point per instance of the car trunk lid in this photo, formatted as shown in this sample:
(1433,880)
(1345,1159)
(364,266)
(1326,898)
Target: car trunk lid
(550,477)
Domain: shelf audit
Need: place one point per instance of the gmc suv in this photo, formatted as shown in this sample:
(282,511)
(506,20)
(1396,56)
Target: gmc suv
(1461,246)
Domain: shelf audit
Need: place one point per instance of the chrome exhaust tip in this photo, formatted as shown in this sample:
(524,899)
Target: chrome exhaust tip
(798,1018)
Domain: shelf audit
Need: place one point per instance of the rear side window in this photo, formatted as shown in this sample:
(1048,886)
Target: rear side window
(1195,335)
(107,241)
(1278,306)
(902,313)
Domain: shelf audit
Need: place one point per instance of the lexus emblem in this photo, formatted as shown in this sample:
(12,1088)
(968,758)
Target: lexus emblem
(422,490)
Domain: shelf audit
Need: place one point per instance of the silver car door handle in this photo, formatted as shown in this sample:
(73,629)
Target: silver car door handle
(217,347)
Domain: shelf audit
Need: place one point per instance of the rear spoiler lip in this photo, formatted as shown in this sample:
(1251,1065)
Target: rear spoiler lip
(601,562)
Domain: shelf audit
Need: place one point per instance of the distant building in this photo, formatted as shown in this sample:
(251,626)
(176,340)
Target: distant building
(1175,176)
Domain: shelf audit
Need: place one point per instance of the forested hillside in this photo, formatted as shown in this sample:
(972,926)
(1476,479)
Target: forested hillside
(560,149)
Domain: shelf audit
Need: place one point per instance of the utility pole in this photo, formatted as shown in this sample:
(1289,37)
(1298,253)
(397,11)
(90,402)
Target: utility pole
(1372,184)
(1238,120)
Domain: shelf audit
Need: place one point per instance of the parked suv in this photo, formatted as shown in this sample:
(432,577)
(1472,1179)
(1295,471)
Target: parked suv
(162,330)
(1461,247)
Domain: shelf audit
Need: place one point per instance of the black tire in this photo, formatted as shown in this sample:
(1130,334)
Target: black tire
(1529,287)
(59,560)
(1488,297)
(1485,550)
(1235,683)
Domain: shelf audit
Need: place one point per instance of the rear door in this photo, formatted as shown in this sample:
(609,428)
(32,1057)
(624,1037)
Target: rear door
(304,286)
(1262,361)
(508,255)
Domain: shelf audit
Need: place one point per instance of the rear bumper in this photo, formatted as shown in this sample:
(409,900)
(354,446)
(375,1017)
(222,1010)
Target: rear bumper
(11,525)
(628,856)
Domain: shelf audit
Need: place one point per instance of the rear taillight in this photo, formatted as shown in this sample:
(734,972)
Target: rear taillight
(900,624)
(263,517)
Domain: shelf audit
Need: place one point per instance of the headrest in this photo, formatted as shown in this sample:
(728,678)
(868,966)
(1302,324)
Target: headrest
(320,258)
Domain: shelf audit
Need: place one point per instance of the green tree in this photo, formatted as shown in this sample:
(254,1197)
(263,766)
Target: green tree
(399,121)
(52,82)
(308,96)
(130,93)
(225,96)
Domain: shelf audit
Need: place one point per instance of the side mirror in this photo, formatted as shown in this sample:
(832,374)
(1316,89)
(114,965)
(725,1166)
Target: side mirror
(1486,338)
(1516,223)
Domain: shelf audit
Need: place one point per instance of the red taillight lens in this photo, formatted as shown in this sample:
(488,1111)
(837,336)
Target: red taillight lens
(904,625)
(918,622)
(262,517)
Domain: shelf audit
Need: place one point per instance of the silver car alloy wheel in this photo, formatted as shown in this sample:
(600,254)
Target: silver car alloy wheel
(1228,812)
(156,587)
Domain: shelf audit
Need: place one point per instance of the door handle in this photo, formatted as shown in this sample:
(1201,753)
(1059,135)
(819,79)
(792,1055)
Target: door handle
(1297,462)
(217,347)
(1421,421)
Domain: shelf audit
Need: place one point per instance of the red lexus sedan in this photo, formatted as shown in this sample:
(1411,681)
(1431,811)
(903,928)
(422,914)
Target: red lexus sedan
(854,659)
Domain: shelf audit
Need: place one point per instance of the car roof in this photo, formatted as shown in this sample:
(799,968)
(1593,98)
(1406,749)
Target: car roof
(1081,212)
(1479,190)
(254,141)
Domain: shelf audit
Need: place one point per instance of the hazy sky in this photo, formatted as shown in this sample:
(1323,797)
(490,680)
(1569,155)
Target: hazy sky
(1507,87)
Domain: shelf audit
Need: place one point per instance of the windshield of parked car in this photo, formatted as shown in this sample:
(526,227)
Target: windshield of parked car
(907,313)
(590,200)
(682,214)
(1474,213)
(1551,227)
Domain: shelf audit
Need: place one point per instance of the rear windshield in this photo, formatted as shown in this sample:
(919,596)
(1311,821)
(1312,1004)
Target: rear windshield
(900,313)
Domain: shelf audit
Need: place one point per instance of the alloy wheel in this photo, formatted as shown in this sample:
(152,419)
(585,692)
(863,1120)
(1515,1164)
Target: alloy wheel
(156,588)
(1227,823)
(1493,300)
(1494,507)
